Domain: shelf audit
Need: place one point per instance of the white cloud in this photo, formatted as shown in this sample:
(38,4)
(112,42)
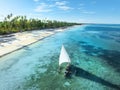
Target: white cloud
(88,12)
(84,11)
(61,3)
(64,7)
(35,0)
(43,8)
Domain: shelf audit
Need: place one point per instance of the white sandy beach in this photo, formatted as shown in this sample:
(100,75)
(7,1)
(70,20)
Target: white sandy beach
(13,42)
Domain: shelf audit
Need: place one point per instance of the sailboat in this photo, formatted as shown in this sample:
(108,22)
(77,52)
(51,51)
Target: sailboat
(64,57)
(64,62)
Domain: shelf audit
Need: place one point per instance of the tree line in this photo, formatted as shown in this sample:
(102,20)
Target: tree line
(12,24)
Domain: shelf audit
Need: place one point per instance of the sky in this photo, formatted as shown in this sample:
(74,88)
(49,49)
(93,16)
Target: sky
(81,11)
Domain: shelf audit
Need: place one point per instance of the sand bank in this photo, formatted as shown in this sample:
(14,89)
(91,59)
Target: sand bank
(13,42)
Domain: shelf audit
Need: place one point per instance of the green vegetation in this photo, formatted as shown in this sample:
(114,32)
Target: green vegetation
(21,23)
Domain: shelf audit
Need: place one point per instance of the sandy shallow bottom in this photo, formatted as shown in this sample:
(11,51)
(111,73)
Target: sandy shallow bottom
(35,67)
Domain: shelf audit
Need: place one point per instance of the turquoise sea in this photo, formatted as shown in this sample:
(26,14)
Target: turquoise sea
(94,51)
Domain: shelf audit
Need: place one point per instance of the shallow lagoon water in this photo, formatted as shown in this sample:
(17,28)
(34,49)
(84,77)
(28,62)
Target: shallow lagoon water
(94,51)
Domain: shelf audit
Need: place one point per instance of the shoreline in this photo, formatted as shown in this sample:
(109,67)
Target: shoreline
(13,42)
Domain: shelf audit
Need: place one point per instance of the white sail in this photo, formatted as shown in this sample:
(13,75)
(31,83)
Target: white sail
(64,57)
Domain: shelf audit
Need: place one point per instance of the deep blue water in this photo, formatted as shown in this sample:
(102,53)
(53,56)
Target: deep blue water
(93,49)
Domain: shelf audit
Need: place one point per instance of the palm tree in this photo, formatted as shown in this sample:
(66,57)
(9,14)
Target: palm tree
(21,23)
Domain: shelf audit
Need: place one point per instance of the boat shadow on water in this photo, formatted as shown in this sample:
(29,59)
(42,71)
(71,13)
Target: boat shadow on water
(79,72)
